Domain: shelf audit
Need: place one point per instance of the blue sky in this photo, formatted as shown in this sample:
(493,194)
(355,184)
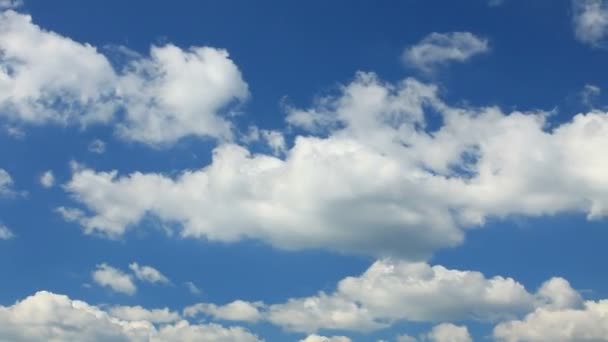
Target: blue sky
(311,171)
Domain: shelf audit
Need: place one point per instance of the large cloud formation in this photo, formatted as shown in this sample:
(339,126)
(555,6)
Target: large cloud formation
(46,316)
(392,291)
(369,174)
(171,94)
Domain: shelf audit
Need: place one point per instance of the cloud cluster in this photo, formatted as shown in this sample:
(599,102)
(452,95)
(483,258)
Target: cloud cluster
(369,175)
(119,281)
(46,316)
(168,95)
(391,291)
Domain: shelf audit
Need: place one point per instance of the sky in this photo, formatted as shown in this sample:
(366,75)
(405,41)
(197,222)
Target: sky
(319,171)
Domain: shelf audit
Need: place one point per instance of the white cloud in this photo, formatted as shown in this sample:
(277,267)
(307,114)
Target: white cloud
(235,311)
(184,331)
(117,280)
(97,146)
(393,291)
(193,288)
(138,313)
(590,21)
(447,332)
(47,179)
(186,93)
(47,77)
(8,4)
(566,325)
(377,182)
(5,233)
(6,183)
(439,49)
(50,317)
(318,338)
(148,274)
(173,93)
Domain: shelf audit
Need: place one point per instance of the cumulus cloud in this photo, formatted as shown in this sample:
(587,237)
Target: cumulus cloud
(392,291)
(369,177)
(138,313)
(148,274)
(318,338)
(590,21)
(235,311)
(5,233)
(447,332)
(115,279)
(47,179)
(589,323)
(46,316)
(168,95)
(439,49)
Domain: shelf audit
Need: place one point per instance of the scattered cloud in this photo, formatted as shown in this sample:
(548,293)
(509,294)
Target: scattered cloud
(148,274)
(6,184)
(115,279)
(438,49)
(590,94)
(590,21)
(47,179)
(97,146)
(5,233)
(193,288)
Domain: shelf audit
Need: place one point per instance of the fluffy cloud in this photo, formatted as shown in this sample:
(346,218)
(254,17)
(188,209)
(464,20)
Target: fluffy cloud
(176,93)
(173,93)
(235,311)
(6,183)
(5,233)
(47,179)
(391,291)
(589,323)
(590,21)
(449,333)
(148,274)
(370,177)
(438,49)
(318,338)
(50,317)
(138,313)
(108,276)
